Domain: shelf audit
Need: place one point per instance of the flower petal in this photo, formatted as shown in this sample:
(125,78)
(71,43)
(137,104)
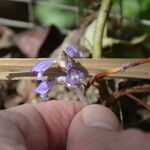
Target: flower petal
(44,87)
(80,54)
(72,81)
(73,52)
(40,76)
(42,66)
(45,96)
(81,74)
(74,75)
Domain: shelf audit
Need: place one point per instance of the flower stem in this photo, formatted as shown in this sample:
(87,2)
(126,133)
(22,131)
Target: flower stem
(82,96)
(99,28)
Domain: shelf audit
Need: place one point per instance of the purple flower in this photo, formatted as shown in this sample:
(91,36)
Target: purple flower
(41,67)
(44,87)
(74,76)
(73,52)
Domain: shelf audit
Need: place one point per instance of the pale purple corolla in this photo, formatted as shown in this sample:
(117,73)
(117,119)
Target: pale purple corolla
(72,78)
(44,87)
(42,67)
(73,52)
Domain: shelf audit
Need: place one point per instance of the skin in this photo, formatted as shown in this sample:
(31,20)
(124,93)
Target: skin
(60,125)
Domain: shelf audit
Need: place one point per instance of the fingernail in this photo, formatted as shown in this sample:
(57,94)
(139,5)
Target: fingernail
(100,116)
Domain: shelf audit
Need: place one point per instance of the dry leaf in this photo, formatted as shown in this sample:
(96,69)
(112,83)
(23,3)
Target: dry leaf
(29,42)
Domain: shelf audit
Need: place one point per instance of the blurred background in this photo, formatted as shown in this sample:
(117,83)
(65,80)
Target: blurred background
(128,23)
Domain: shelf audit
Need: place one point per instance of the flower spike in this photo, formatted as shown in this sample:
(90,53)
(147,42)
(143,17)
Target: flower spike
(73,75)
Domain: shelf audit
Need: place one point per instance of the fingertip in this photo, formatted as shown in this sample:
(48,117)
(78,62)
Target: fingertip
(91,127)
(100,116)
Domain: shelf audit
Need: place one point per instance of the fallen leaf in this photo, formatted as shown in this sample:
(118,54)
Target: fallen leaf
(29,42)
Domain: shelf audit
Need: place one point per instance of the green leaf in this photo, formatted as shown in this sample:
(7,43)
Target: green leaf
(48,15)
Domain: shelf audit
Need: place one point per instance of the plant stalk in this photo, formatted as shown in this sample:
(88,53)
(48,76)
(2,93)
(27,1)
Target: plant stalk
(99,28)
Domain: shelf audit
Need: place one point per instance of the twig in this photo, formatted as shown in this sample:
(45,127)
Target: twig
(118,69)
(30,11)
(85,10)
(99,27)
(20,68)
(132,20)
(116,95)
(16,23)
(139,101)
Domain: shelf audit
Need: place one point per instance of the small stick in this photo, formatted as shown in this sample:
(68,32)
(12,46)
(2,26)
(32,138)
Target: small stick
(138,101)
(138,89)
(118,69)
(19,68)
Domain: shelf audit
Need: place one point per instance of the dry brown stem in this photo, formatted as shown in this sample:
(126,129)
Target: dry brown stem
(138,89)
(141,102)
(118,69)
(16,69)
